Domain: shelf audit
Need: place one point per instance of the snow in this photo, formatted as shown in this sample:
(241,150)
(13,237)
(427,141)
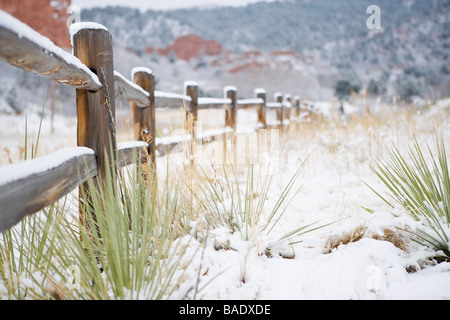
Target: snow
(213,132)
(140,69)
(229,88)
(131,145)
(207,100)
(250,101)
(172,139)
(170,95)
(78,26)
(132,84)
(23,31)
(43,164)
(332,192)
(274,105)
(190,83)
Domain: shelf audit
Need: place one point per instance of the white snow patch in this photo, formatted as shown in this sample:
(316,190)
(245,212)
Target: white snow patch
(140,69)
(43,164)
(78,26)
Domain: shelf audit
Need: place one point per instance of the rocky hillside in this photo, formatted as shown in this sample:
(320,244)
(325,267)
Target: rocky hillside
(408,56)
(48,17)
(319,49)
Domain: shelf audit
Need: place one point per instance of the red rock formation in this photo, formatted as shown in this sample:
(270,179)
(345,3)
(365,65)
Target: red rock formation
(284,53)
(48,17)
(190,46)
(149,50)
(250,65)
(212,48)
(252,53)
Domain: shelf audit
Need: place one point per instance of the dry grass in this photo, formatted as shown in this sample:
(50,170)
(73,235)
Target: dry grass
(346,238)
(360,232)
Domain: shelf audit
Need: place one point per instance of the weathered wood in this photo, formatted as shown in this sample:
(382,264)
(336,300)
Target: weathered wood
(128,91)
(46,184)
(144,119)
(132,152)
(274,105)
(192,116)
(213,103)
(231,110)
(172,100)
(288,107)
(165,145)
(96,110)
(297,106)
(250,103)
(27,49)
(280,111)
(261,94)
(192,92)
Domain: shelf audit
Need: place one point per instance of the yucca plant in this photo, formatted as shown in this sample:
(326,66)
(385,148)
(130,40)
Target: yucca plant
(124,247)
(129,246)
(26,247)
(422,189)
(24,254)
(239,203)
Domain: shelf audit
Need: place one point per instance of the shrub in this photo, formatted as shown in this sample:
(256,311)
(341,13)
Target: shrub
(422,189)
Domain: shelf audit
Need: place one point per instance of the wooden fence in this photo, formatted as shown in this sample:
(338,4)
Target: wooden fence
(27,187)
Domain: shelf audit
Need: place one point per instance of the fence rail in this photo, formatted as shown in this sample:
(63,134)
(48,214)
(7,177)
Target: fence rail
(30,186)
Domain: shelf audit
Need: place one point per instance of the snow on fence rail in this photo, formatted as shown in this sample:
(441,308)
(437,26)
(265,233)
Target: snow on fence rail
(30,186)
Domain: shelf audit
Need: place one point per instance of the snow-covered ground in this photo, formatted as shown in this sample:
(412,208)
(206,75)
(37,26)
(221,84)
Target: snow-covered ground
(337,153)
(333,191)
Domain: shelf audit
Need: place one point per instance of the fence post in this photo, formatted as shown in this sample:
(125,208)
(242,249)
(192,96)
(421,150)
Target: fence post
(144,118)
(280,112)
(287,113)
(192,90)
(230,92)
(297,106)
(96,109)
(261,94)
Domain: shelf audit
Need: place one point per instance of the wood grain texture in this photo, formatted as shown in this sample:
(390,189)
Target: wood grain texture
(262,118)
(231,110)
(29,56)
(192,91)
(145,119)
(30,194)
(132,155)
(126,91)
(96,110)
(96,127)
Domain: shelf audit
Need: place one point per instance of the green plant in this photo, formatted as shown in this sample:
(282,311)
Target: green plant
(24,254)
(241,205)
(127,246)
(25,249)
(422,189)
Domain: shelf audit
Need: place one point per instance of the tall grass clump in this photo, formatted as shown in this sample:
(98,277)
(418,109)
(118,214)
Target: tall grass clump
(127,246)
(26,248)
(24,254)
(422,188)
(239,202)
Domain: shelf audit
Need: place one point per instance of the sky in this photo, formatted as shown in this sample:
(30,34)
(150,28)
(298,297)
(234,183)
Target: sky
(162,4)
